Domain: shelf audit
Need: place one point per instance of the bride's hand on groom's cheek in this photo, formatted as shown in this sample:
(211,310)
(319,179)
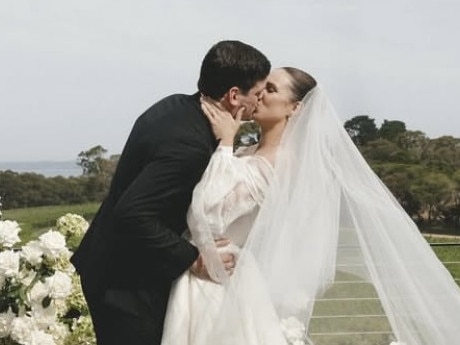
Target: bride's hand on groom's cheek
(223,124)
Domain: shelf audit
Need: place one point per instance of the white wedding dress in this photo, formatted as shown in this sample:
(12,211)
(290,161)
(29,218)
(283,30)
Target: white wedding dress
(230,193)
(324,211)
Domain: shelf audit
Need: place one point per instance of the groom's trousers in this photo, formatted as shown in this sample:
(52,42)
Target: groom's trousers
(127,317)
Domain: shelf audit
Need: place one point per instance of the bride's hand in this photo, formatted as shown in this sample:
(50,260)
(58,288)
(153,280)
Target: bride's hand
(222,122)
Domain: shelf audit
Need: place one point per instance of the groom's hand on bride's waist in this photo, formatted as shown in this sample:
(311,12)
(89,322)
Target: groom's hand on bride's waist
(199,269)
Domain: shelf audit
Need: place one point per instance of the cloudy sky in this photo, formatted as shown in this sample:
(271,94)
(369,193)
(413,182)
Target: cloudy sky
(75,74)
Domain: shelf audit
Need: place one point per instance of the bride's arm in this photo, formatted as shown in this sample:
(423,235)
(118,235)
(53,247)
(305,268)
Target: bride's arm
(230,188)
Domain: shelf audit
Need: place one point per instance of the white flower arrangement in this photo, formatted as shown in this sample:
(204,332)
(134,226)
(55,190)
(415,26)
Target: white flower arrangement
(41,302)
(9,231)
(73,227)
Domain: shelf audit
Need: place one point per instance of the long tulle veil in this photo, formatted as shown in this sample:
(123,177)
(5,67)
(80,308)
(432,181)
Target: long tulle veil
(329,227)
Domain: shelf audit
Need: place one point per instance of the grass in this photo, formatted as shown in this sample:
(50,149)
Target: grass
(449,255)
(36,220)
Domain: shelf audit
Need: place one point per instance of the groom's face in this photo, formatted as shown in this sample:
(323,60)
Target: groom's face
(251,100)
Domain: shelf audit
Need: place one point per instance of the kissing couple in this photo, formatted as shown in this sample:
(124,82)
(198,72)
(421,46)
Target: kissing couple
(200,243)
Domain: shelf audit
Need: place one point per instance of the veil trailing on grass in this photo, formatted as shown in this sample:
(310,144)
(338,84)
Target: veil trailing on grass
(337,252)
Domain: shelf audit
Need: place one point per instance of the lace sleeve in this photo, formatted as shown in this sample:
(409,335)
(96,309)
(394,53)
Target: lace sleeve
(229,188)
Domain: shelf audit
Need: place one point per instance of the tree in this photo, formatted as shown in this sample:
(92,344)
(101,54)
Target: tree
(399,178)
(434,190)
(382,150)
(361,129)
(92,161)
(414,142)
(443,153)
(97,170)
(390,130)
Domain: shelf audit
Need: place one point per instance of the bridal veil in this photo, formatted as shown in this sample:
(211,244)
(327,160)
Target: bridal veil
(330,227)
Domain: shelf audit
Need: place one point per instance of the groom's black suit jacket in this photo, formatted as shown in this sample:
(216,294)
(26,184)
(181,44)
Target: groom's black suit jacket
(134,241)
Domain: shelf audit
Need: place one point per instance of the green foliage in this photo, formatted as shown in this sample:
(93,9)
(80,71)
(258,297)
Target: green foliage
(21,190)
(391,130)
(423,173)
(248,134)
(361,129)
(92,161)
(382,150)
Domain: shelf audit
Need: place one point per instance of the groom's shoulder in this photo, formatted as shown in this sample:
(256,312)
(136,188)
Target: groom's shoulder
(174,99)
(172,103)
(170,109)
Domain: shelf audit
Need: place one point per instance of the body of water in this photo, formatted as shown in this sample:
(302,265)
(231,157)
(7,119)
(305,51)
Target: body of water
(45,168)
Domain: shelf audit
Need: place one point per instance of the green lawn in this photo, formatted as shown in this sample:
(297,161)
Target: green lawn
(449,255)
(36,220)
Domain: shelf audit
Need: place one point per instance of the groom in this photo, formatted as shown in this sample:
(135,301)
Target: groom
(133,249)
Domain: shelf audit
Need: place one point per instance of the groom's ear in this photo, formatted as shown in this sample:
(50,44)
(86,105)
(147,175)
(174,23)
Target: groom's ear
(232,96)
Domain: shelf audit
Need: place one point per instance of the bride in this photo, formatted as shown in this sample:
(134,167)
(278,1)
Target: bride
(288,205)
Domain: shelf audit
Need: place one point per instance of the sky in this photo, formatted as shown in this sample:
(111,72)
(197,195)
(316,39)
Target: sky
(76,74)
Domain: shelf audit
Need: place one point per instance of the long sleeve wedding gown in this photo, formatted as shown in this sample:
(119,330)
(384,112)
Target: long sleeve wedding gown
(230,193)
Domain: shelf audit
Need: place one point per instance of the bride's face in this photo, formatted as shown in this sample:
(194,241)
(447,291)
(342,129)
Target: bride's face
(250,100)
(276,102)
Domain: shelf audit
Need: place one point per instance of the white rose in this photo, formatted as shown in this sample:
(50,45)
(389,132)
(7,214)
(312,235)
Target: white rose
(43,317)
(38,292)
(53,244)
(59,285)
(27,276)
(33,253)
(60,306)
(21,329)
(60,332)
(9,264)
(9,231)
(5,323)
(41,338)
(72,224)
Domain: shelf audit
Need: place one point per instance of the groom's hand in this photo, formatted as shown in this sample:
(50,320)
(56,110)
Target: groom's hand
(199,269)
(228,259)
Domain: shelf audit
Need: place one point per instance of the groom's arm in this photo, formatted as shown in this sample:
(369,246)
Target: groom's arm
(163,187)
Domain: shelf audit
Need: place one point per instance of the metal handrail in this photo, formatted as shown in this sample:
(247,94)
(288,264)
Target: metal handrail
(444,244)
(375,316)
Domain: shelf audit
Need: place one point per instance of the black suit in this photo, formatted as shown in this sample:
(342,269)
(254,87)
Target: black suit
(133,249)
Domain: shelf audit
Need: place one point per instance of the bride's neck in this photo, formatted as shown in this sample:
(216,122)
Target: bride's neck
(271,136)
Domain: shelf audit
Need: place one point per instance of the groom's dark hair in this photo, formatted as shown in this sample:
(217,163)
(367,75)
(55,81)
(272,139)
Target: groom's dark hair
(231,63)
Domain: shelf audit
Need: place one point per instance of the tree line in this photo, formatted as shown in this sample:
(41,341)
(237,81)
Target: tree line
(19,190)
(422,173)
